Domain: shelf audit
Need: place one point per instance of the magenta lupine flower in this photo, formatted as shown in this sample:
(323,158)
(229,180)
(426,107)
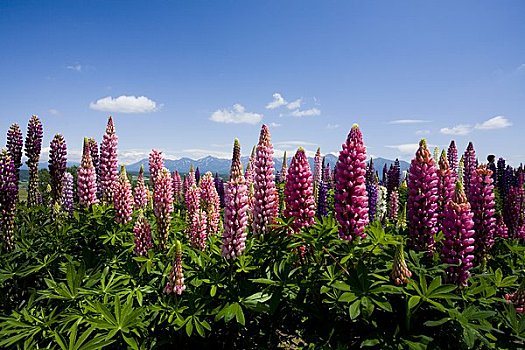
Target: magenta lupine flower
(57,166)
(393,206)
(452,157)
(317,169)
(163,205)
(67,193)
(249,175)
(197,228)
(86,179)
(15,143)
(483,204)
(470,163)
(176,279)
(140,192)
(33,146)
(514,212)
(8,199)
(400,273)
(93,150)
(235,209)
(193,198)
(266,201)
(299,193)
(108,162)
(142,232)
(517,298)
(284,168)
(191,177)
(351,198)
(210,203)
(458,244)
(123,198)
(422,201)
(501,229)
(177,185)
(446,185)
(156,163)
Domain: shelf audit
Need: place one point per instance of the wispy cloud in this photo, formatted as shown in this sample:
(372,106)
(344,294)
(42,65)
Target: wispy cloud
(332,126)
(125,104)
(306,113)
(54,111)
(521,68)
(408,121)
(295,104)
(275,125)
(423,132)
(405,148)
(77,67)
(498,122)
(278,101)
(236,115)
(287,145)
(457,130)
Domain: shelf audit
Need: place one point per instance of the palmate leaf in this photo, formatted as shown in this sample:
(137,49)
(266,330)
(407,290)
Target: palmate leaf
(85,341)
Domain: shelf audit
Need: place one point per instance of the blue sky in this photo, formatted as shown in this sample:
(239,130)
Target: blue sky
(187,77)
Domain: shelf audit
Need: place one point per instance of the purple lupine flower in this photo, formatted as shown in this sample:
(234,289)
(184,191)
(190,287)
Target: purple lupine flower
(249,175)
(57,166)
(393,178)
(219,186)
(86,179)
(177,186)
(236,209)
(458,244)
(325,170)
(14,145)
(470,168)
(123,198)
(371,189)
(210,203)
(514,212)
(176,279)
(446,186)
(492,167)
(266,201)
(284,168)
(317,170)
(140,192)
(393,206)
(517,298)
(67,193)
(142,233)
(422,200)
(108,162)
(400,273)
(452,157)
(322,200)
(197,176)
(384,179)
(483,207)
(351,199)
(33,146)
(501,229)
(156,163)
(8,199)
(163,205)
(299,193)
(500,176)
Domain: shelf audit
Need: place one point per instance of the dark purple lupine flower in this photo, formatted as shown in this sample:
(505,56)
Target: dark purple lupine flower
(470,167)
(384,179)
(452,157)
(86,179)
(422,200)
(142,232)
(351,199)
(514,212)
(492,167)
(266,201)
(458,244)
(299,192)
(67,193)
(446,186)
(236,209)
(15,143)
(108,162)
(322,200)
(197,176)
(33,146)
(176,279)
(500,176)
(57,166)
(371,189)
(393,177)
(8,199)
(219,186)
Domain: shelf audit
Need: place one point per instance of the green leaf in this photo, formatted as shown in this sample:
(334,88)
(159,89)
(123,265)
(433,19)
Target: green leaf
(437,323)
(189,327)
(355,309)
(213,290)
(413,301)
(347,297)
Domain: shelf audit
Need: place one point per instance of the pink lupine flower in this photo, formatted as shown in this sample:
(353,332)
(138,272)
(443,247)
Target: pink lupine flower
(108,162)
(351,199)
(317,168)
(393,205)
(250,171)
(235,209)
(142,232)
(163,205)
(123,198)
(210,202)
(197,227)
(176,279)
(298,192)
(445,185)
(140,192)
(501,229)
(266,201)
(86,179)
(156,163)
(177,185)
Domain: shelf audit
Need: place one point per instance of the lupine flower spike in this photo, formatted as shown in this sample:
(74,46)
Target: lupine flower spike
(317,171)
(452,157)
(517,298)
(298,192)
(470,162)
(140,192)
(371,189)
(351,199)
(322,200)
(400,272)
(393,206)
(219,186)
(177,186)
(14,146)
(123,198)
(382,205)
(142,232)
(33,146)
(197,229)
(249,175)
(163,205)
(210,203)
(108,162)
(8,199)
(284,168)
(86,179)
(67,193)
(236,209)
(156,163)
(57,166)
(445,185)
(176,279)
(461,170)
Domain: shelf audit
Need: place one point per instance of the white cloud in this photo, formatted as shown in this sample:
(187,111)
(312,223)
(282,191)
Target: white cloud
(125,104)
(498,122)
(237,115)
(275,125)
(295,104)
(458,130)
(406,148)
(332,126)
(306,113)
(408,121)
(278,101)
(76,67)
(54,111)
(422,132)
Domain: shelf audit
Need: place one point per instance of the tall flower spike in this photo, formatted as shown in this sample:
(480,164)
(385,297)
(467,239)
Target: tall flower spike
(140,192)
(400,273)
(176,279)
(470,168)
(197,176)
(514,212)
(393,206)
(236,209)
(57,166)
(518,298)
(458,244)
(317,171)
(197,222)
(351,199)
(33,146)
(372,190)
(249,175)
(501,229)
(86,179)
(163,205)
(393,178)
(284,168)
(210,203)
(299,192)
(14,145)
(500,176)
(67,193)
(445,185)
(142,232)
(422,200)
(108,162)
(322,200)
(177,186)
(382,203)
(93,150)
(156,163)
(325,170)
(219,186)
(452,157)
(266,201)
(8,199)
(123,198)
(461,170)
